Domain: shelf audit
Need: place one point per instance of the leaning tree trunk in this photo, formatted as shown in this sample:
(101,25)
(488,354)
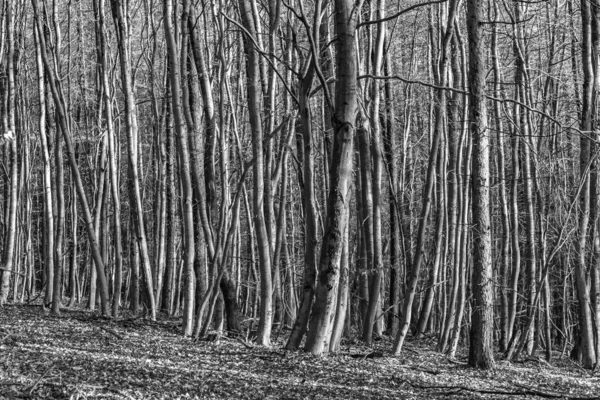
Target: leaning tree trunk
(54,83)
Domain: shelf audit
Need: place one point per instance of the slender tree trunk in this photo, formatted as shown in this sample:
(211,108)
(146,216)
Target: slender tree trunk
(374,308)
(254,111)
(112,157)
(59,106)
(10,239)
(505,252)
(73,293)
(396,275)
(48,199)
(440,108)
(342,295)
(121,19)
(181,130)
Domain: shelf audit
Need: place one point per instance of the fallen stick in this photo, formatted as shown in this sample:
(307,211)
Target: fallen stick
(245,343)
(40,378)
(111,331)
(524,392)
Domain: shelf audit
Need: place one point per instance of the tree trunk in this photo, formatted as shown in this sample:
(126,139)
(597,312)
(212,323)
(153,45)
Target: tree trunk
(254,111)
(121,19)
(59,106)
(343,121)
(48,242)
(587,116)
(181,130)
(481,339)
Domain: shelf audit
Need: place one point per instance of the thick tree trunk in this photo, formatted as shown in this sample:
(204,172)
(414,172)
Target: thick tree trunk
(587,116)
(481,338)
(343,121)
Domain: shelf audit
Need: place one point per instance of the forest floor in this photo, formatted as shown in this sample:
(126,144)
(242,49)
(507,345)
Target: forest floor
(82,356)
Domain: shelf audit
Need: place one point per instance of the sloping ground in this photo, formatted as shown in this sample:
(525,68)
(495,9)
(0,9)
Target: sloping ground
(79,356)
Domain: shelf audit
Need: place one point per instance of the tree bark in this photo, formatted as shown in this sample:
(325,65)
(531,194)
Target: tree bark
(343,121)
(481,337)
(254,111)
(121,19)
(181,130)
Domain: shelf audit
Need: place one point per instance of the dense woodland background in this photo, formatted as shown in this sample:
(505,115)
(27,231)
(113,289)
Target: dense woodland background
(334,167)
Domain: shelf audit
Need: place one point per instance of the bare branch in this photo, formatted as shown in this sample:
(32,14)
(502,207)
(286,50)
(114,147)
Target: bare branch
(399,13)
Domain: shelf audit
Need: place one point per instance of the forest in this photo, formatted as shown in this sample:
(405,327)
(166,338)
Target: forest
(302,174)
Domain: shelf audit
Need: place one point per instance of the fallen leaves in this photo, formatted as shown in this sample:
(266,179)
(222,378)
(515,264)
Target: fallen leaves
(80,355)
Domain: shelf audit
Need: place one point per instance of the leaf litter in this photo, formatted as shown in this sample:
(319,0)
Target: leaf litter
(81,355)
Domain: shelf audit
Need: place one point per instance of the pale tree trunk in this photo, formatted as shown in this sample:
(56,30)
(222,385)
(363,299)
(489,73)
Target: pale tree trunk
(73,292)
(99,204)
(255,115)
(343,297)
(158,129)
(427,305)
(173,227)
(595,189)
(309,196)
(462,256)
(396,275)
(343,122)
(481,353)
(48,199)
(64,126)
(309,208)
(203,162)
(440,109)
(60,179)
(270,112)
(505,252)
(455,179)
(112,156)
(374,309)
(521,81)
(121,19)
(181,130)
(515,241)
(10,239)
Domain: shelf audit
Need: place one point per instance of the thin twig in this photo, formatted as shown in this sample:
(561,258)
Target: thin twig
(40,378)
(111,331)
